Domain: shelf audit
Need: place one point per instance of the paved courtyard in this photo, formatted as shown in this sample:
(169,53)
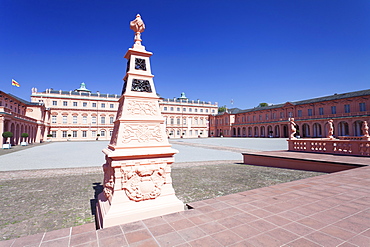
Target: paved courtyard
(327,210)
(88,154)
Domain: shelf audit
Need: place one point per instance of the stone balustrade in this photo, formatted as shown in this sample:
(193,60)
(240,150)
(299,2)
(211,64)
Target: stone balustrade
(359,147)
(353,138)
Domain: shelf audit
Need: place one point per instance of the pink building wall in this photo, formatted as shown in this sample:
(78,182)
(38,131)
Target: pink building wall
(40,117)
(19,116)
(348,111)
(83,115)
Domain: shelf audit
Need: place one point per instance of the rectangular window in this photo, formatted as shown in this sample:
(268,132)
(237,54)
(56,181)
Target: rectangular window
(207,110)
(184,121)
(93,133)
(74,119)
(84,119)
(74,133)
(111,105)
(165,108)
(54,134)
(110,132)
(172,121)
(93,104)
(64,134)
(299,113)
(84,104)
(64,119)
(260,117)
(54,119)
(102,105)
(309,112)
(184,109)
(178,108)
(347,109)
(74,103)
(362,106)
(178,121)
(201,110)
(93,120)
(65,103)
(333,110)
(190,110)
(195,110)
(321,111)
(266,117)
(84,133)
(111,120)
(55,102)
(171,108)
(281,114)
(102,133)
(102,120)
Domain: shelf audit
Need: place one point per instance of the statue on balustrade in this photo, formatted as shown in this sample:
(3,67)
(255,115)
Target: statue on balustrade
(365,129)
(330,129)
(293,128)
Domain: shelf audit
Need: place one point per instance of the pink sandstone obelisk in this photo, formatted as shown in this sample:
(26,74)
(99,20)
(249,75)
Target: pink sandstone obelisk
(137,172)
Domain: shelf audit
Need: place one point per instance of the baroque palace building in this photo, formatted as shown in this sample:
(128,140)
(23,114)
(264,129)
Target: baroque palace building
(19,116)
(83,115)
(347,110)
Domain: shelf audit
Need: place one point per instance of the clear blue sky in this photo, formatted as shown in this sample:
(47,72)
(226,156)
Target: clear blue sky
(250,51)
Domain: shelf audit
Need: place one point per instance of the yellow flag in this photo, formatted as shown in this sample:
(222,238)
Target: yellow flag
(15,83)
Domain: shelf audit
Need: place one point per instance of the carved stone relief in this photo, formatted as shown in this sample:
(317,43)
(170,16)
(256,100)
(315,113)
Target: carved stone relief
(108,181)
(143,182)
(137,107)
(113,140)
(142,133)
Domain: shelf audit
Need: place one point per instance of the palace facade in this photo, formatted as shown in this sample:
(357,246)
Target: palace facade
(83,115)
(347,110)
(19,116)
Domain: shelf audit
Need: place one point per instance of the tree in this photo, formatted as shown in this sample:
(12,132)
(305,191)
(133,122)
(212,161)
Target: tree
(7,134)
(24,135)
(222,109)
(263,104)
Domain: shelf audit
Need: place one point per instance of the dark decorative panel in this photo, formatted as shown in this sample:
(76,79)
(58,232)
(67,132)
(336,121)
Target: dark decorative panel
(140,64)
(128,66)
(141,86)
(124,86)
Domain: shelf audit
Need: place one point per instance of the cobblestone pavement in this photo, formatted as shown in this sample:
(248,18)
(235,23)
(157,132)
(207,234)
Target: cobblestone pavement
(35,199)
(38,201)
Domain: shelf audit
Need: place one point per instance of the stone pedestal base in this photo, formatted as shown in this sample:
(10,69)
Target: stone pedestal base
(137,186)
(119,212)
